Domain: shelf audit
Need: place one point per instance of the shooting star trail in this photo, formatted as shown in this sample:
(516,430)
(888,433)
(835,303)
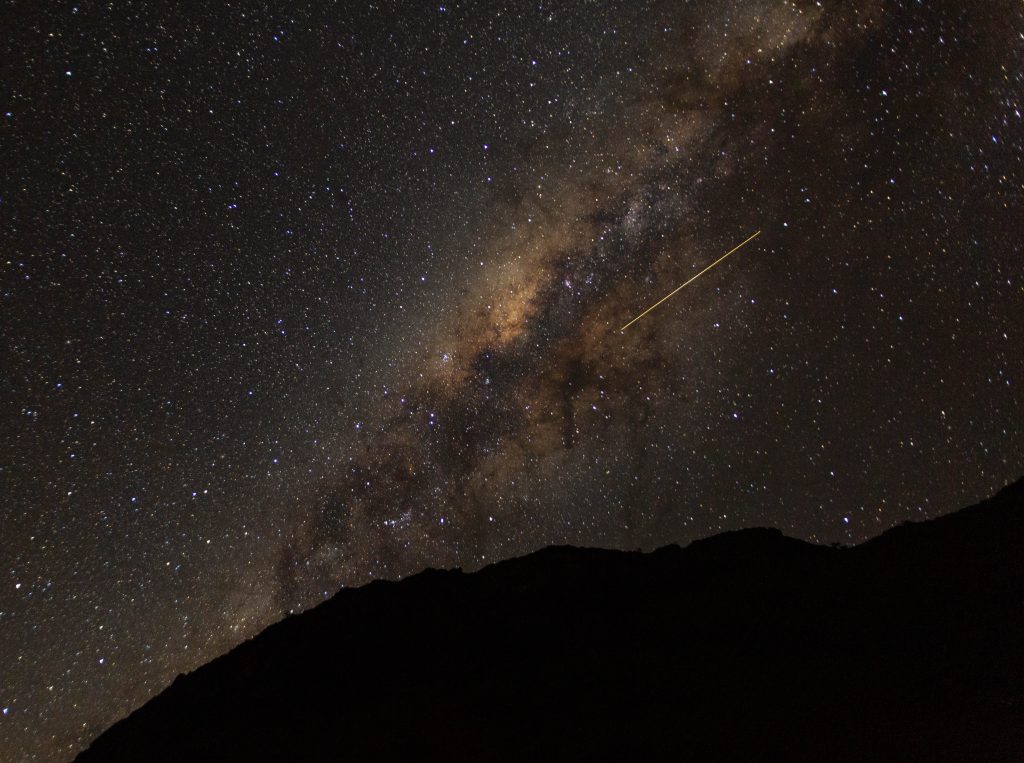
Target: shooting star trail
(678,288)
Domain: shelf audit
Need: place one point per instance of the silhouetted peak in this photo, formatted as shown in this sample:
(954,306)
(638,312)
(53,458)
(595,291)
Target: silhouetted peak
(748,645)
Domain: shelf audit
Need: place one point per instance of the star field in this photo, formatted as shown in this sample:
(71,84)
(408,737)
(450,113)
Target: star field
(300,296)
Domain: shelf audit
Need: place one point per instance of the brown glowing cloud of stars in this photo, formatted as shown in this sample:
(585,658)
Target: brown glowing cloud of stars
(527,422)
(529,372)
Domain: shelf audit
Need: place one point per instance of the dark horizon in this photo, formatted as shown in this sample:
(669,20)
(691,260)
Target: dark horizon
(748,645)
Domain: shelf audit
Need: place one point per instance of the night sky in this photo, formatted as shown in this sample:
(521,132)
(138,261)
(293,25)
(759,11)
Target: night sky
(299,296)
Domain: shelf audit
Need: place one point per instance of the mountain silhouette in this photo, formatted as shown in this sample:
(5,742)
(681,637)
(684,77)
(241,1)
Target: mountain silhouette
(748,645)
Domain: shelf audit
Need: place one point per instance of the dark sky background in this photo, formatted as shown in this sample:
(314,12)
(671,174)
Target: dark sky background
(296,296)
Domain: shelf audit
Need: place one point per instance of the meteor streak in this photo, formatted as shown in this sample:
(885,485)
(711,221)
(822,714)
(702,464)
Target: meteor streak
(705,270)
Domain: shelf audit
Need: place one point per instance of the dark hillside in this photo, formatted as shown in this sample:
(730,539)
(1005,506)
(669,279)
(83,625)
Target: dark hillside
(748,645)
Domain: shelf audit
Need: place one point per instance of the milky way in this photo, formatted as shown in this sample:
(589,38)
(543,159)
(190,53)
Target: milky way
(530,394)
(303,297)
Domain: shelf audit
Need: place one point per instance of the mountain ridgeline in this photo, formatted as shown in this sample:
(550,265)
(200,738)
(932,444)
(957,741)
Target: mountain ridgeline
(748,645)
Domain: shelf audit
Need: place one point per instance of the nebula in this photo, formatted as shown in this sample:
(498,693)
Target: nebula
(529,370)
